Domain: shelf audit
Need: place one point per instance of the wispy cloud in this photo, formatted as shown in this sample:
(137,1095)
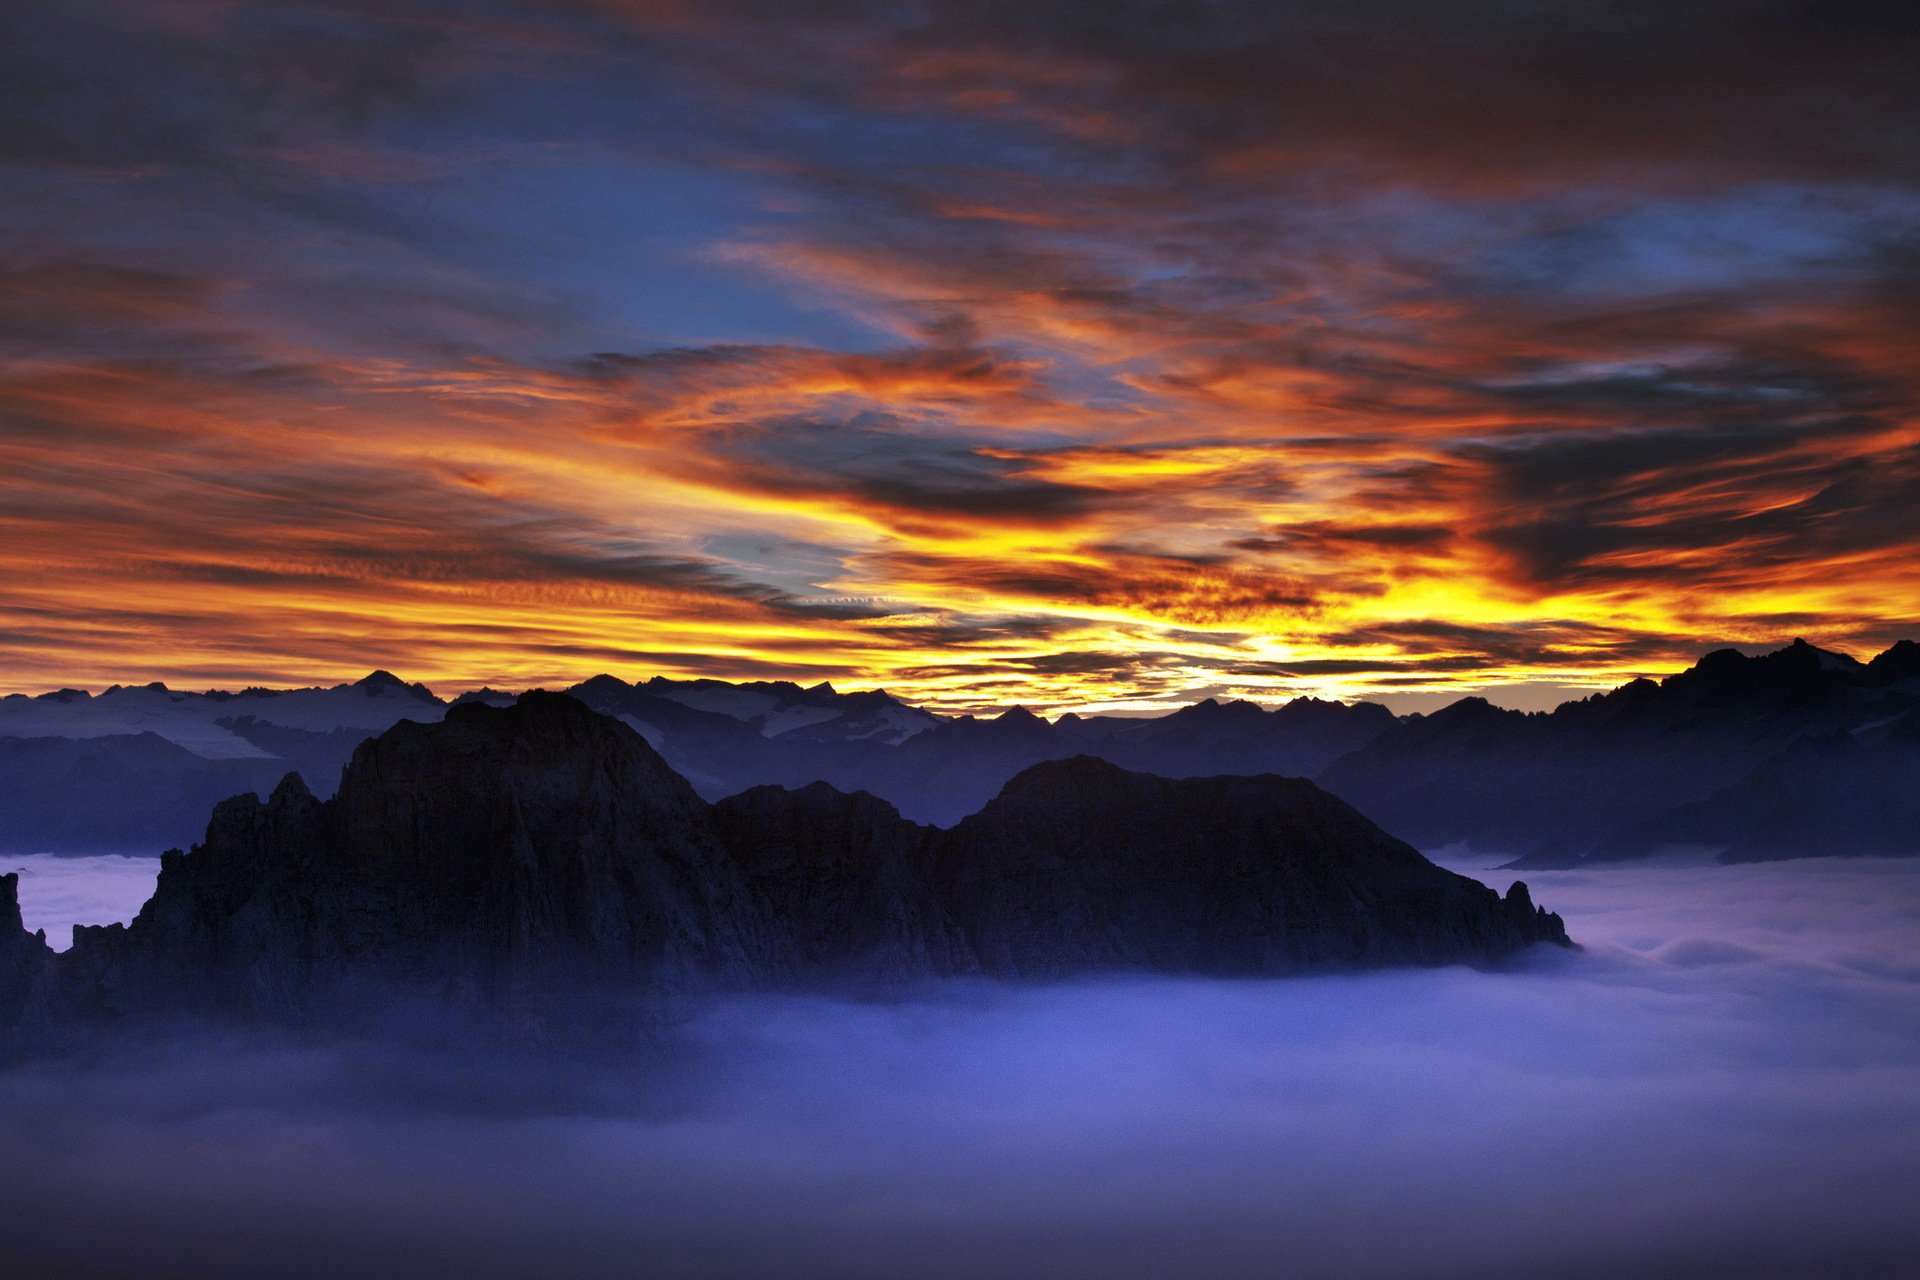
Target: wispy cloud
(494,346)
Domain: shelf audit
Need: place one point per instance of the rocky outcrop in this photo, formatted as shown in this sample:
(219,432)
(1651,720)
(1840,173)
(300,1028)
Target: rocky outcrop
(1079,865)
(847,881)
(510,857)
(495,857)
(26,962)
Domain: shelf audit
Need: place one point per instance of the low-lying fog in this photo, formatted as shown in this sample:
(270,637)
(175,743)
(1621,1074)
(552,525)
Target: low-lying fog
(1725,1082)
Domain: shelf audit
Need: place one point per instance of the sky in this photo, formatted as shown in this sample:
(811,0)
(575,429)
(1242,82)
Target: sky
(1073,354)
(1723,1082)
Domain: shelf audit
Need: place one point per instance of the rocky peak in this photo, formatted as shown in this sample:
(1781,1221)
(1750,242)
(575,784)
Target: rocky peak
(1900,662)
(602,686)
(517,857)
(11,922)
(26,962)
(382,682)
(1081,775)
(1211,713)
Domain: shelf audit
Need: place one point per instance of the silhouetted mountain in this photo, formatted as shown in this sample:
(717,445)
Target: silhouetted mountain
(489,857)
(130,791)
(27,964)
(850,881)
(509,857)
(1628,772)
(1080,859)
(946,773)
(138,767)
(1855,793)
(155,759)
(781,709)
(1615,775)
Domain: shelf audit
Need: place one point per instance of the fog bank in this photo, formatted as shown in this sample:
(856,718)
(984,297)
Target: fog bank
(58,891)
(1725,1081)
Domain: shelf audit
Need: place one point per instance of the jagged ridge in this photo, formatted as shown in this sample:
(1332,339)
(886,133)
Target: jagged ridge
(507,856)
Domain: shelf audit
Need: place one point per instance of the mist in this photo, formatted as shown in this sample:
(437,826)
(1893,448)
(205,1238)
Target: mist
(58,891)
(1725,1080)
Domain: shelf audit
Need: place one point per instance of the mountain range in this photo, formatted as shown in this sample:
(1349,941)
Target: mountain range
(525,858)
(1795,752)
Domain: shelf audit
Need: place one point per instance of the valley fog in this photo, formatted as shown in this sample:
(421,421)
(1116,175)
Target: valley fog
(1725,1080)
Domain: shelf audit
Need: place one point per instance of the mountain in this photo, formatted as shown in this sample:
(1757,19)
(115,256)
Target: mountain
(139,766)
(27,964)
(113,792)
(1650,766)
(512,858)
(942,775)
(1226,875)
(1846,792)
(781,709)
(1684,761)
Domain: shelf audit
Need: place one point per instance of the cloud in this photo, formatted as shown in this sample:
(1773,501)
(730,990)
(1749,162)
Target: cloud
(60,892)
(1723,1079)
(500,344)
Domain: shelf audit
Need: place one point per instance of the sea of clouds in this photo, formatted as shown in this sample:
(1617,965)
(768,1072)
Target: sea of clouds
(1724,1081)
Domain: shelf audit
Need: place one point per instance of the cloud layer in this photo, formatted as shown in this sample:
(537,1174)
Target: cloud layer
(1723,1082)
(935,344)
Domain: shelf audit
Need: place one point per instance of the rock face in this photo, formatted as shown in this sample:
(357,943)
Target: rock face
(26,962)
(498,855)
(508,857)
(1079,864)
(847,881)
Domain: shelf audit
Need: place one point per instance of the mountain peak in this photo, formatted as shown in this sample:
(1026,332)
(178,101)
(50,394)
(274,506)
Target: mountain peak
(381,682)
(151,687)
(1796,663)
(1017,716)
(1473,706)
(292,788)
(1824,659)
(1073,773)
(1214,710)
(535,706)
(1897,663)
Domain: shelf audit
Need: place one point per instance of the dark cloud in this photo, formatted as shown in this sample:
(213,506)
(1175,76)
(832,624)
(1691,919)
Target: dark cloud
(1309,534)
(1643,507)
(911,476)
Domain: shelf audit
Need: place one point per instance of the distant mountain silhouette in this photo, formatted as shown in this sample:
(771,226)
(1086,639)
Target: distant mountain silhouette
(942,773)
(158,758)
(517,857)
(1796,752)
(1824,739)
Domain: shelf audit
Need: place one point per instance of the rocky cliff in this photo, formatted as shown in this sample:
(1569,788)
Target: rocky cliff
(26,962)
(511,856)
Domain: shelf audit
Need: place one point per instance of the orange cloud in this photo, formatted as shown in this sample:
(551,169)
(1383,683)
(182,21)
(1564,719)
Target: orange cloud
(1120,360)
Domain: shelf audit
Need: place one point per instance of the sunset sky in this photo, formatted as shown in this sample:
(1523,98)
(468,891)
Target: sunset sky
(1109,354)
